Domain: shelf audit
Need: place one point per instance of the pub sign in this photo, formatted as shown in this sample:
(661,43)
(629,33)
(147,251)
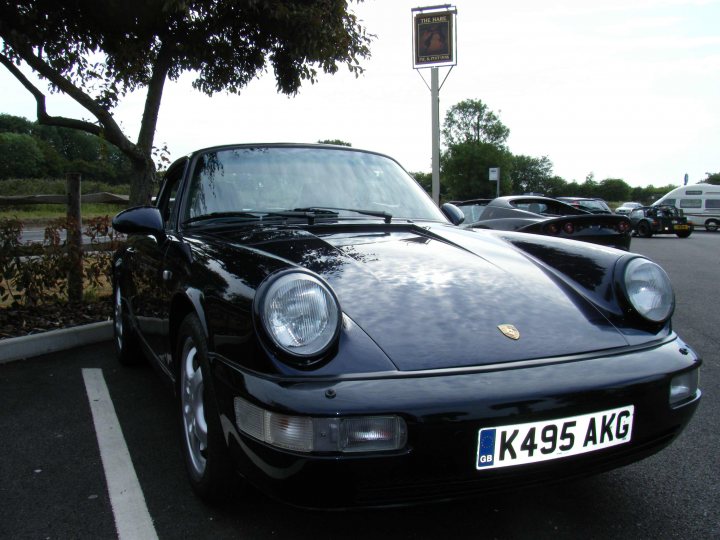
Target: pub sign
(434,38)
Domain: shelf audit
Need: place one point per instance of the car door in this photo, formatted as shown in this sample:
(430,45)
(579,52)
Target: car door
(155,275)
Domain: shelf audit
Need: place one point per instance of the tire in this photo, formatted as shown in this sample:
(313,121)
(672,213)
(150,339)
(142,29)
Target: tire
(127,346)
(206,455)
(712,225)
(643,229)
(683,234)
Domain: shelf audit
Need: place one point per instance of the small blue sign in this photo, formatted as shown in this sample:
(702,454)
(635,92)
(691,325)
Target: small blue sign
(486,448)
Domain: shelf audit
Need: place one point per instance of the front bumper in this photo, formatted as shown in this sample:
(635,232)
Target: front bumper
(444,412)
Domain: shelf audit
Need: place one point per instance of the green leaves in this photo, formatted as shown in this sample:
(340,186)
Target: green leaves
(472,121)
(37,274)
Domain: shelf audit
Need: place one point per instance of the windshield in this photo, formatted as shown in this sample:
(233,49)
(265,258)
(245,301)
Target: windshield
(593,205)
(247,180)
(472,212)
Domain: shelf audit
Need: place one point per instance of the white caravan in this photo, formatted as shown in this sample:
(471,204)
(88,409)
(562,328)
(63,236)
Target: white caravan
(699,202)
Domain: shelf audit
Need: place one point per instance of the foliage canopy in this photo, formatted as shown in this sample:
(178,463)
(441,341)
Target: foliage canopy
(472,121)
(97,52)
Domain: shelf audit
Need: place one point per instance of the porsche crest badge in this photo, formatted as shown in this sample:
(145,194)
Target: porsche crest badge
(509,331)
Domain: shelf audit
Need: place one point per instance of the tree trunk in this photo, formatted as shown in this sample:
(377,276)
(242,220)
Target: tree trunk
(142,182)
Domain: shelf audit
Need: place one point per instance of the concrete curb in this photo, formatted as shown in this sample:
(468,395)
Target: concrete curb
(23,347)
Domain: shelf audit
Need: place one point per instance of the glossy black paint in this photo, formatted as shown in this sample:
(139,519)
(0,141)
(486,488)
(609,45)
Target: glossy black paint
(453,213)
(550,217)
(421,303)
(139,220)
(445,410)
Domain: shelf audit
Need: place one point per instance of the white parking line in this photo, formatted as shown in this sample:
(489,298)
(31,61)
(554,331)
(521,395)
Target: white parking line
(132,519)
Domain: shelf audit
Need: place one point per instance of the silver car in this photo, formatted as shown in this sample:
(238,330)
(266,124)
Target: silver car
(627,207)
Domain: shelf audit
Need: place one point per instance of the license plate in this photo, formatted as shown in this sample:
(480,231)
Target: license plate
(681,227)
(519,444)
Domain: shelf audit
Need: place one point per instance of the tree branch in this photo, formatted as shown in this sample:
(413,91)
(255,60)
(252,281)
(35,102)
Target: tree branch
(42,115)
(110,130)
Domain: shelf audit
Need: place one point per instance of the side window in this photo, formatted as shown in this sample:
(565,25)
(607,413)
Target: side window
(712,203)
(168,196)
(669,202)
(637,213)
(690,203)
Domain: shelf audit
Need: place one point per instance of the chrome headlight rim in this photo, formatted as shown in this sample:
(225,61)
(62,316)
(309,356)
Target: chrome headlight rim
(630,265)
(268,291)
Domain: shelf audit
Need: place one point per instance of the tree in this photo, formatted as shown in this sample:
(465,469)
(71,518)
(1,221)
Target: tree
(20,156)
(613,189)
(555,186)
(15,124)
(712,178)
(141,44)
(472,121)
(588,187)
(531,175)
(465,170)
(67,150)
(336,142)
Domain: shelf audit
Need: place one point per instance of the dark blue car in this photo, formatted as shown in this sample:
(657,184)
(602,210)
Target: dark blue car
(336,340)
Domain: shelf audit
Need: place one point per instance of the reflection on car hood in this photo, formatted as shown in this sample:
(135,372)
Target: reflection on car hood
(435,298)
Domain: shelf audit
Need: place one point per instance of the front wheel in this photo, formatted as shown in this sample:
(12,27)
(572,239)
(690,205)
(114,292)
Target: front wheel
(683,234)
(712,225)
(127,347)
(643,229)
(206,455)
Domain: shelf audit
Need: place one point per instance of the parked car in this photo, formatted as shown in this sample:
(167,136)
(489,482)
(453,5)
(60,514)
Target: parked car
(550,217)
(627,207)
(649,220)
(310,306)
(472,209)
(594,206)
(699,203)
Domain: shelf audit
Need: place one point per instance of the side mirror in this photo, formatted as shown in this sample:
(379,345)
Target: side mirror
(140,220)
(453,213)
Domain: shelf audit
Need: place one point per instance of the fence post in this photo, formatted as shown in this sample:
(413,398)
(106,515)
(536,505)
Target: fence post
(74,239)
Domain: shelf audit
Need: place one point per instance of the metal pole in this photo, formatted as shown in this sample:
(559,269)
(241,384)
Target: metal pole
(435,108)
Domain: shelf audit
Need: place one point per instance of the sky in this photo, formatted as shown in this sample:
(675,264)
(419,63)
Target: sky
(620,88)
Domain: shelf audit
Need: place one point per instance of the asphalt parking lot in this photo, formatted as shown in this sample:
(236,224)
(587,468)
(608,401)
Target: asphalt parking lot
(53,483)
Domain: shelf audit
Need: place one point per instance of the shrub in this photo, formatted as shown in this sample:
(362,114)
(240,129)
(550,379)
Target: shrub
(38,273)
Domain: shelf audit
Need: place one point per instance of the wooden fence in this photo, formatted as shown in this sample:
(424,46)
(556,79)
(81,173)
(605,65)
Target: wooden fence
(101,198)
(72,199)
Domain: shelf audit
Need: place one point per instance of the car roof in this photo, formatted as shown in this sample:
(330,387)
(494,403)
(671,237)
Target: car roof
(481,202)
(285,145)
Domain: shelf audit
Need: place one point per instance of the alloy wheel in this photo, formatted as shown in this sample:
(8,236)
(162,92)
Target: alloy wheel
(193,409)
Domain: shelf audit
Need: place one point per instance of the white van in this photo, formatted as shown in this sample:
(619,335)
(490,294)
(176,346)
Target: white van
(699,202)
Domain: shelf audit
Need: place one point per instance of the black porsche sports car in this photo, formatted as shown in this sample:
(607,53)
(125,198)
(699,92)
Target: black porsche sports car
(309,305)
(543,215)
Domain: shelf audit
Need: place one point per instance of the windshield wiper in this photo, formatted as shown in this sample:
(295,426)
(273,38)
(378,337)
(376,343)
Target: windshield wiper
(258,215)
(333,210)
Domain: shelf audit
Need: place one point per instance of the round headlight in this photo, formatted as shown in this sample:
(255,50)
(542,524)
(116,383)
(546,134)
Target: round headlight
(300,314)
(649,290)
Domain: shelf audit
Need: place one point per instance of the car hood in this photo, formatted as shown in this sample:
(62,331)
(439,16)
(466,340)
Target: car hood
(437,297)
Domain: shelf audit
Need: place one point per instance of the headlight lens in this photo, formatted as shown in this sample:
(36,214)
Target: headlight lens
(649,290)
(300,314)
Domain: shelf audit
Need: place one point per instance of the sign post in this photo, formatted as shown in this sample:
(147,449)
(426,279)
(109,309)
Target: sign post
(494,176)
(434,43)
